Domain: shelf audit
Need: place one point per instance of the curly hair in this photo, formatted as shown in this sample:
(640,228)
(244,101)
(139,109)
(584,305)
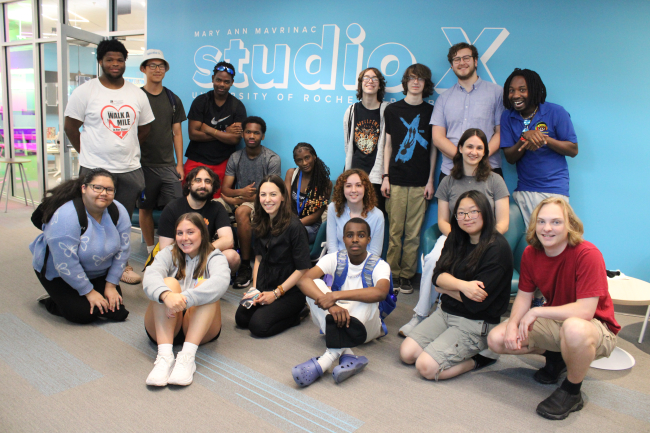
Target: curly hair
(536,87)
(382,84)
(369,198)
(254,119)
(111,45)
(320,185)
(205,248)
(460,46)
(189,178)
(420,71)
(484,168)
(574,225)
(262,224)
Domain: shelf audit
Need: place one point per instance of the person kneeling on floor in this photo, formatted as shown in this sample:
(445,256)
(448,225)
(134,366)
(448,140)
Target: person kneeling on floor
(474,275)
(349,316)
(577,324)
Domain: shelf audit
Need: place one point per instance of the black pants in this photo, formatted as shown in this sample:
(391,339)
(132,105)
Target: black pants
(381,200)
(268,320)
(66,302)
(498,171)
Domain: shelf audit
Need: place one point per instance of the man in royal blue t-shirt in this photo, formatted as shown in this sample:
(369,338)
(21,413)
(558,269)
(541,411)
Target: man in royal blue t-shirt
(537,136)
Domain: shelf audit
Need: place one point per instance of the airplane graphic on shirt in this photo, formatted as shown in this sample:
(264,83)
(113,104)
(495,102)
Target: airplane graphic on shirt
(413,137)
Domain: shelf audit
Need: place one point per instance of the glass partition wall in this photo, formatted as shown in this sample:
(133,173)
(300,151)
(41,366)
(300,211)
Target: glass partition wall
(48,48)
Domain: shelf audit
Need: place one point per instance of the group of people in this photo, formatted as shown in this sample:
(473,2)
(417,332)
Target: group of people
(131,151)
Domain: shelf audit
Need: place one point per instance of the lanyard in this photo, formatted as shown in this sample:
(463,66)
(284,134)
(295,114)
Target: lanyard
(300,205)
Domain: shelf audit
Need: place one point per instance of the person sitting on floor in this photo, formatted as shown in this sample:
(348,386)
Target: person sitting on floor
(80,267)
(473,275)
(281,258)
(349,316)
(577,324)
(184,284)
(310,187)
(354,196)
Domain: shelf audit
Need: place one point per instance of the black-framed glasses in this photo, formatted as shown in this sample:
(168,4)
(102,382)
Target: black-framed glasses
(456,60)
(371,79)
(100,188)
(224,69)
(473,214)
(154,66)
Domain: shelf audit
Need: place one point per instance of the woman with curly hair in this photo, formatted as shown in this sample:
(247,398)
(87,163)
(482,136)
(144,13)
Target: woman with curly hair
(310,187)
(354,196)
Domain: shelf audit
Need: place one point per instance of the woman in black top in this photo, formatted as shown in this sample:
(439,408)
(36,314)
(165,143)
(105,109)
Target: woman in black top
(473,275)
(281,257)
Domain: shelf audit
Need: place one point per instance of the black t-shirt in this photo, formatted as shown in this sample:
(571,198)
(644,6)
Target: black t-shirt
(205,110)
(494,271)
(366,136)
(410,132)
(213,213)
(282,255)
(158,148)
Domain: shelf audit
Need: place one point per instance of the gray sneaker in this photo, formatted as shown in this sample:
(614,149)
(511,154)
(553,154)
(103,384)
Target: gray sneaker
(405,286)
(405,330)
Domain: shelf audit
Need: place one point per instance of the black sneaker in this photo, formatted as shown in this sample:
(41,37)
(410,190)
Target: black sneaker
(551,372)
(560,404)
(481,361)
(397,285)
(243,278)
(304,312)
(405,286)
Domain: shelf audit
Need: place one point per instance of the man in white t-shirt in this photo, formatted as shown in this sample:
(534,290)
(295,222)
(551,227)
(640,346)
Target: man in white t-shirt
(116,118)
(349,316)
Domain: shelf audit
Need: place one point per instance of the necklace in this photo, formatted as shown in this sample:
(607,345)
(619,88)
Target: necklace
(528,119)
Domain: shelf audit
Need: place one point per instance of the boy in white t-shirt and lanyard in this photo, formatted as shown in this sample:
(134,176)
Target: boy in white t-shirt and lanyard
(348,317)
(116,118)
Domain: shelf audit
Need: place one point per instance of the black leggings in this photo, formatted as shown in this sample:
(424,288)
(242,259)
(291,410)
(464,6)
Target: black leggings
(268,320)
(66,302)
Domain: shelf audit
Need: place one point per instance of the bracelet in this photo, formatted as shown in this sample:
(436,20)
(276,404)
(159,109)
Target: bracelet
(383,176)
(276,295)
(281,290)
(161,298)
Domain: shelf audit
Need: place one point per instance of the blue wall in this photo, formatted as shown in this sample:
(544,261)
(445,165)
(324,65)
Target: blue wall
(592,57)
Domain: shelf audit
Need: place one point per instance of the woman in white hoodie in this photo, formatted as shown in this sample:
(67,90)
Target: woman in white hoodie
(184,283)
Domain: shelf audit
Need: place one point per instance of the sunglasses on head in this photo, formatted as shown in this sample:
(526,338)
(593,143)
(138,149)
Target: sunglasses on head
(224,68)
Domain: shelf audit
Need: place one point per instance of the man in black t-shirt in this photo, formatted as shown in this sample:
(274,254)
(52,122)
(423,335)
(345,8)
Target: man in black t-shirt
(409,163)
(199,185)
(215,124)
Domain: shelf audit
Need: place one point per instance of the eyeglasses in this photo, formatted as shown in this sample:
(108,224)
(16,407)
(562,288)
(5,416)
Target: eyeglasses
(198,180)
(371,79)
(224,68)
(100,188)
(473,214)
(154,66)
(414,78)
(465,59)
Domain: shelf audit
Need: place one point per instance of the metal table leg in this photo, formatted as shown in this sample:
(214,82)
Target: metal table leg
(4,182)
(24,179)
(645,324)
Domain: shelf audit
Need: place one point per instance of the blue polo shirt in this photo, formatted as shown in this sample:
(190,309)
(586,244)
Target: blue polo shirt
(543,170)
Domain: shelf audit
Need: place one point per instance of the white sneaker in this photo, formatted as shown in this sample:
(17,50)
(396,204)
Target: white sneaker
(161,370)
(406,329)
(183,370)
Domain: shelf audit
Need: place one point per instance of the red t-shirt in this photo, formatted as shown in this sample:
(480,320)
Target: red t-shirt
(577,273)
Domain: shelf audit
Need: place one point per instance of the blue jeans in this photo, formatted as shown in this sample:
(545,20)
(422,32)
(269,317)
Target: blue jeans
(312,231)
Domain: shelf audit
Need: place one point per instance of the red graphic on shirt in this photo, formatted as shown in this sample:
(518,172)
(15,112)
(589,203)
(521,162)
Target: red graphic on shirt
(118,121)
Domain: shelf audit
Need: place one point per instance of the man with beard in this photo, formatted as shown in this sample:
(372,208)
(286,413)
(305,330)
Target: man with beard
(200,183)
(116,117)
(470,103)
(215,124)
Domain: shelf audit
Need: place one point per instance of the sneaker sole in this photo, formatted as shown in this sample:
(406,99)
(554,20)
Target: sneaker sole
(561,416)
(156,384)
(241,286)
(406,291)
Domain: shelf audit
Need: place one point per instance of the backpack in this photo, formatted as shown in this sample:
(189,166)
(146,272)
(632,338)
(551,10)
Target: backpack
(37,220)
(387,305)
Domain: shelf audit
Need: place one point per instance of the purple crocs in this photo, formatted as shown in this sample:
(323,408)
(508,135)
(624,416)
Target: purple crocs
(349,365)
(306,373)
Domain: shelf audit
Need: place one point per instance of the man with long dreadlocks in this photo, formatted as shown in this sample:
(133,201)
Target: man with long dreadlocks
(310,187)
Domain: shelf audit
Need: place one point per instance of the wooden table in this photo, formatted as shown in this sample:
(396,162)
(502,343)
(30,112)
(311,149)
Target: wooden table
(23,178)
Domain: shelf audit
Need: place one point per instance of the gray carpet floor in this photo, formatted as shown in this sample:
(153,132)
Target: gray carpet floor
(60,377)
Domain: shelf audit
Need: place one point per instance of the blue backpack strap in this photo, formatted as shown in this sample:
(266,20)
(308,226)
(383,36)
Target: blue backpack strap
(341,272)
(387,305)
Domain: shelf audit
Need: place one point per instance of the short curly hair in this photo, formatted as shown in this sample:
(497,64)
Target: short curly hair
(111,45)
(574,225)
(369,197)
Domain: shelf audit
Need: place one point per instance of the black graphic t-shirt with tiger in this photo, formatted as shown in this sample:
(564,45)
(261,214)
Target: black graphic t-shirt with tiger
(366,137)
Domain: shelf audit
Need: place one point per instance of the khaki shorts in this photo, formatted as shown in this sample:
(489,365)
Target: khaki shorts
(546,335)
(231,209)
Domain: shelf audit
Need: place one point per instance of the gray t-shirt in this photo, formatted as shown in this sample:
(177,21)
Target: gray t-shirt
(450,189)
(247,171)
(158,149)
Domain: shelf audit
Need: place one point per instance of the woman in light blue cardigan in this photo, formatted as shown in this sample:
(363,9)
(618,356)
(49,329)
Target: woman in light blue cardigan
(81,270)
(354,196)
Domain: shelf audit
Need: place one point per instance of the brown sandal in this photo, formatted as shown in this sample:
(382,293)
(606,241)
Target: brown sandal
(130,277)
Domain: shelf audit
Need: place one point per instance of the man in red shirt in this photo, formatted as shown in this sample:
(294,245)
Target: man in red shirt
(576,324)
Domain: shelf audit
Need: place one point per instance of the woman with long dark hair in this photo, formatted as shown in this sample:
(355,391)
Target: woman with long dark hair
(473,275)
(80,268)
(184,283)
(310,187)
(281,258)
(471,171)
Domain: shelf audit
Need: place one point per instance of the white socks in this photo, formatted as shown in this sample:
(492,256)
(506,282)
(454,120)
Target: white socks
(150,248)
(327,359)
(165,350)
(189,348)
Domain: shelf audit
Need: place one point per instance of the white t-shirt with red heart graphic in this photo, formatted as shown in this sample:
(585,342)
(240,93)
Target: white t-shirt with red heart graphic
(110,117)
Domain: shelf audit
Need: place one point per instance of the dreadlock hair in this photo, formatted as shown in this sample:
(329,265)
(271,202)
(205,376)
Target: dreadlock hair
(484,168)
(205,248)
(536,87)
(459,240)
(320,185)
(69,190)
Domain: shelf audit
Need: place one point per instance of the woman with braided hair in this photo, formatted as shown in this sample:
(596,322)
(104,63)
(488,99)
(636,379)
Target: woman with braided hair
(310,187)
